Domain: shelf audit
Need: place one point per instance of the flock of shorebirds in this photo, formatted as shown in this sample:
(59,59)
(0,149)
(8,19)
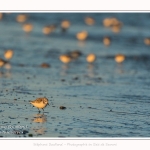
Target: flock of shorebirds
(112,23)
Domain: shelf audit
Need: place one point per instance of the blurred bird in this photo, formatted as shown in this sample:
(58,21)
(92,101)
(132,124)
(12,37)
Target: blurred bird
(82,35)
(119,58)
(48,29)
(8,54)
(28,27)
(65,24)
(147,41)
(75,54)
(106,41)
(91,58)
(2,62)
(65,58)
(89,21)
(21,18)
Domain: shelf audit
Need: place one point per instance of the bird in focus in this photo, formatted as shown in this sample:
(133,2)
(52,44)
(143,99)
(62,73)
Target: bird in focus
(40,103)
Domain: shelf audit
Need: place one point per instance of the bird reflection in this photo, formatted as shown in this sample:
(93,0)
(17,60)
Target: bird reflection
(5,74)
(64,69)
(91,70)
(6,70)
(81,43)
(119,68)
(40,130)
(39,118)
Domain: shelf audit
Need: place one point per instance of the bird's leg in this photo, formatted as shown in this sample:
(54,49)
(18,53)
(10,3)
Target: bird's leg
(43,109)
(39,110)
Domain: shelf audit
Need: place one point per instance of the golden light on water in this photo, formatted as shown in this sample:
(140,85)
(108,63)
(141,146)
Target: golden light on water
(28,27)
(106,41)
(119,58)
(65,58)
(82,35)
(91,58)
(8,54)
(89,21)
(21,18)
(147,41)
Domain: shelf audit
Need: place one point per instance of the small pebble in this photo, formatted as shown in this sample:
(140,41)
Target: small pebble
(30,135)
(62,107)
(62,80)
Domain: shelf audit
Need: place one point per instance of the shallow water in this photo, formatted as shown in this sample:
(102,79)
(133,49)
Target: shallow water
(104,99)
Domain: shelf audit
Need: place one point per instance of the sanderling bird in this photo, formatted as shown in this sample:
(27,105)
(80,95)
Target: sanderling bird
(65,58)
(40,103)
(2,62)
(119,58)
(65,24)
(8,54)
(81,36)
(21,18)
(89,21)
(91,58)
(106,41)
(28,27)
(49,29)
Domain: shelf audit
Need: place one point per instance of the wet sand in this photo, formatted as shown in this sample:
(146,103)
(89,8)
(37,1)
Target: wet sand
(102,99)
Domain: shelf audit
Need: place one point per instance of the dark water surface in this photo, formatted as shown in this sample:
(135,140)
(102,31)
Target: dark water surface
(104,99)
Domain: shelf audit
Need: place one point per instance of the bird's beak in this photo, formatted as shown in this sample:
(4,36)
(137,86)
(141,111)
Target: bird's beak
(48,104)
